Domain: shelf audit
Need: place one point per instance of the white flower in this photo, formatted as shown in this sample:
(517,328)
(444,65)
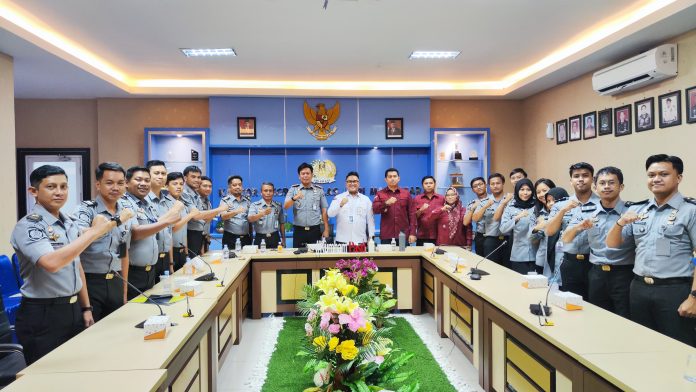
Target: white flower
(321,377)
(388,290)
(308,329)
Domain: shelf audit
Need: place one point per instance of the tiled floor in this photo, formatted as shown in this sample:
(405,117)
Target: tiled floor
(243,370)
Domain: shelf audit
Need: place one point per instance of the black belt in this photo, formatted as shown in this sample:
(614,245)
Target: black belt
(108,276)
(51,301)
(296,227)
(146,268)
(498,237)
(661,281)
(609,268)
(578,257)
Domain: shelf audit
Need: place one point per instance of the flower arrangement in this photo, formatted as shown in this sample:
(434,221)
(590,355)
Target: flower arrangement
(346,349)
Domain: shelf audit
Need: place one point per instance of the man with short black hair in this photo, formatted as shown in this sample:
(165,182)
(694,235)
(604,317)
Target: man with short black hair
(158,180)
(308,208)
(174,194)
(55,304)
(353,211)
(268,218)
(425,208)
(576,253)
(191,198)
(235,216)
(204,192)
(517,174)
(486,212)
(107,256)
(394,204)
(478,186)
(663,232)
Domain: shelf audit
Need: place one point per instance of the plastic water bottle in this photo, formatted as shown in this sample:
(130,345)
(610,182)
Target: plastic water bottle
(371,245)
(188,267)
(225,253)
(263,246)
(166,283)
(238,245)
(393,244)
(402,241)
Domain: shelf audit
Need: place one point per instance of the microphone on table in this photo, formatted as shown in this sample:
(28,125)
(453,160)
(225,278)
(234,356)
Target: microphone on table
(203,278)
(149,299)
(476,273)
(232,254)
(545,310)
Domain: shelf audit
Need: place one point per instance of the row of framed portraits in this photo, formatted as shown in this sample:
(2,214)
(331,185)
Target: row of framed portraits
(622,120)
(393,128)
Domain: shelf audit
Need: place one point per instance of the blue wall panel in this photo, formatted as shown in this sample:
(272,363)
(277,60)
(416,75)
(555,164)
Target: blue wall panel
(223,120)
(416,115)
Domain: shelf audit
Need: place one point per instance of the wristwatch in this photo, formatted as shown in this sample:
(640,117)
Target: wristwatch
(87,309)
(117,218)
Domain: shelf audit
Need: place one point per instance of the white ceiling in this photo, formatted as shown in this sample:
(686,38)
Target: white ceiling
(297,40)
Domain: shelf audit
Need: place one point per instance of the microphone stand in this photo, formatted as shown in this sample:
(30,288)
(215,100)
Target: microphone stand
(544,310)
(203,278)
(476,273)
(141,324)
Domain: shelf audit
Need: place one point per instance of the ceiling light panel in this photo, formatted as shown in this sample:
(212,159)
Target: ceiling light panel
(208,52)
(433,55)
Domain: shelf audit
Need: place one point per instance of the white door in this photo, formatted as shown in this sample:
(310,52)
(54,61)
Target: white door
(72,164)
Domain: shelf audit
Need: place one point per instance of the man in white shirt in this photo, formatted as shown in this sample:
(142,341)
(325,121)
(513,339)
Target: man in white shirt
(353,211)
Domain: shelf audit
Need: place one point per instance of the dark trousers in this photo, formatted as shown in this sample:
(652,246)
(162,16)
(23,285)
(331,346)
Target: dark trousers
(143,280)
(421,241)
(105,295)
(478,244)
(523,267)
(230,239)
(194,241)
(161,265)
(272,240)
(655,306)
(43,327)
(179,258)
(302,237)
(499,257)
(574,274)
(610,289)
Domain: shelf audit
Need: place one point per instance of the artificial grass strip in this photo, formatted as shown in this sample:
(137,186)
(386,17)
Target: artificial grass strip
(285,368)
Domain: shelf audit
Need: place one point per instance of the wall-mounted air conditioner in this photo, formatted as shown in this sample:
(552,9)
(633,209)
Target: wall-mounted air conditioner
(646,68)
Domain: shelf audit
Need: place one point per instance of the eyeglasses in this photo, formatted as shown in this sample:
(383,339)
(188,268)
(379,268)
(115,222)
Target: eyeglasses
(352,181)
(479,185)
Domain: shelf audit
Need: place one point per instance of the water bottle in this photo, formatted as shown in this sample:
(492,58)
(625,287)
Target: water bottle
(166,283)
(263,246)
(402,241)
(393,245)
(371,245)
(225,253)
(238,245)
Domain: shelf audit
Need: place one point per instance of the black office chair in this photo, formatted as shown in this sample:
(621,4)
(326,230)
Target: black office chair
(11,355)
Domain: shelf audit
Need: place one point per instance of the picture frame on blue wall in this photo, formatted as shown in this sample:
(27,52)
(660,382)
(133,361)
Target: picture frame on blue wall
(394,128)
(246,127)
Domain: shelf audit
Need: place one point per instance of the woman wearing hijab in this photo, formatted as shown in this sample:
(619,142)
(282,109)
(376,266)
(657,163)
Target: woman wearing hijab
(553,259)
(518,221)
(541,187)
(450,222)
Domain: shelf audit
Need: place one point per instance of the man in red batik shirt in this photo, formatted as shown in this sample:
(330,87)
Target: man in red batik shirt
(394,204)
(423,206)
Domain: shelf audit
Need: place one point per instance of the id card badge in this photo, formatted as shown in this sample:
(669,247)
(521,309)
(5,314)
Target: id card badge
(662,247)
(275,225)
(314,206)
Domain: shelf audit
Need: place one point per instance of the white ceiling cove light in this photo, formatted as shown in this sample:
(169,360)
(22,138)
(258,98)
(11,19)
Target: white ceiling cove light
(208,52)
(436,55)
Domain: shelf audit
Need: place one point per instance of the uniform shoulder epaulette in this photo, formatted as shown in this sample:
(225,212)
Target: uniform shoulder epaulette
(90,203)
(295,186)
(690,200)
(634,203)
(318,186)
(34,218)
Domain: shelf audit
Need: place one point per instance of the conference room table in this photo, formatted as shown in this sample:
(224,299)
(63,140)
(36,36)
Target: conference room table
(488,320)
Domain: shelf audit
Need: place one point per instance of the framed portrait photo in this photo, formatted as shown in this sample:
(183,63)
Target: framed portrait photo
(246,127)
(670,109)
(575,129)
(606,122)
(589,125)
(645,114)
(561,131)
(690,96)
(622,121)
(394,128)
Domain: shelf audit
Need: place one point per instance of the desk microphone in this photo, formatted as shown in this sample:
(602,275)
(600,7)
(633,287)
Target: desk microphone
(142,324)
(545,310)
(476,273)
(203,278)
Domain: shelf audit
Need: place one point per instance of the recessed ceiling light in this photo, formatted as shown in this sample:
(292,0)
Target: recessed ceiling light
(426,54)
(208,52)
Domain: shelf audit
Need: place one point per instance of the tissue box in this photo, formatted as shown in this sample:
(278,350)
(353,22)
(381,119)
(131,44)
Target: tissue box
(214,258)
(428,246)
(191,288)
(250,249)
(566,300)
(384,248)
(180,281)
(156,327)
(535,281)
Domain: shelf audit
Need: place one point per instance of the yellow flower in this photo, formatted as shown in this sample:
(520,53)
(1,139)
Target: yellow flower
(347,350)
(333,280)
(333,342)
(320,342)
(349,289)
(367,328)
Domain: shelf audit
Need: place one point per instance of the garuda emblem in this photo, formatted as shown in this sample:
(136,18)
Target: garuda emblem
(321,120)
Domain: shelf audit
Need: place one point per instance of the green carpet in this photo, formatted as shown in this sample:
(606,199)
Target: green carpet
(285,369)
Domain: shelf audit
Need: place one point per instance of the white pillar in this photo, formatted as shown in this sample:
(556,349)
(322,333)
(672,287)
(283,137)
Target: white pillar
(8,160)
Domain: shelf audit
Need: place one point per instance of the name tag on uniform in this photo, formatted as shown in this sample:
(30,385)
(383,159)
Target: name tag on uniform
(588,208)
(662,247)
(275,225)
(314,207)
(57,245)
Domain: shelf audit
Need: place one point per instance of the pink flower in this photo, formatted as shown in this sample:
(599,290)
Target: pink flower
(312,315)
(379,359)
(354,320)
(308,329)
(325,318)
(334,328)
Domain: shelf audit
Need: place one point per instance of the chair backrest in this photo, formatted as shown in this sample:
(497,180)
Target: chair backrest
(5,331)
(15,268)
(8,280)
